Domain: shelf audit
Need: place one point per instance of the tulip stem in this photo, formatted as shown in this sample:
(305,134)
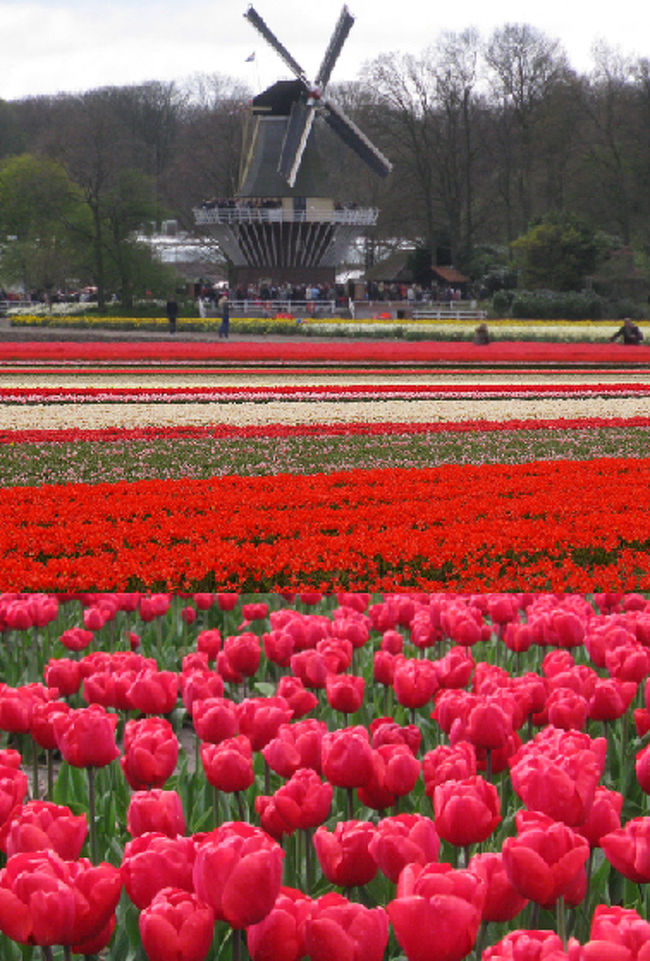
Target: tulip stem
(240,806)
(92,825)
(350,793)
(308,860)
(561,920)
(34,769)
(47,952)
(215,805)
(50,774)
(236,944)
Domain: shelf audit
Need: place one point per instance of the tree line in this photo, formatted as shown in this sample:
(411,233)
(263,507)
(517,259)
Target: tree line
(495,143)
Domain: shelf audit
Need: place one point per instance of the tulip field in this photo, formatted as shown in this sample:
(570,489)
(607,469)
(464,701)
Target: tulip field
(324,651)
(199,466)
(355,776)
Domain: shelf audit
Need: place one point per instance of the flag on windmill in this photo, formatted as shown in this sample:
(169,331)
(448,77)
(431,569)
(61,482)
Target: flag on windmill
(250,58)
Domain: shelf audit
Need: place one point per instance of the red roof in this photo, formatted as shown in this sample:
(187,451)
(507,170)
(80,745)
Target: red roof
(450,275)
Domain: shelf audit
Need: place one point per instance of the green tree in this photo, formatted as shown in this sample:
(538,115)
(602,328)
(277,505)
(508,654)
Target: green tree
(40,209)
(557,253)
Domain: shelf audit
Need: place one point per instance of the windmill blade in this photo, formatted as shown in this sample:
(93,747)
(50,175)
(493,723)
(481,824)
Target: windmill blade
(338,38)
(253,17)
(355,138)
(299,127)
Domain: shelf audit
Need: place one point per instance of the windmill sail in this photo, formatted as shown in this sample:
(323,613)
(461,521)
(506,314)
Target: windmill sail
(299,127)
(341,31)
(253,17)
(356,139)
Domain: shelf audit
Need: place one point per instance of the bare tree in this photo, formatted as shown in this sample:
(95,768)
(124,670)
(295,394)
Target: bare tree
(524,67)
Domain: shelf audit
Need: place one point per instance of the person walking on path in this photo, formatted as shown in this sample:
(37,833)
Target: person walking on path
(224,306)
(172,314)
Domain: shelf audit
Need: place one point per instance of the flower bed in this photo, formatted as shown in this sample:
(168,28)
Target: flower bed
(368,777)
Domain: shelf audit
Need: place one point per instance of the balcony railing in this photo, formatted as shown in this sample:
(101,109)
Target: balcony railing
(245,214)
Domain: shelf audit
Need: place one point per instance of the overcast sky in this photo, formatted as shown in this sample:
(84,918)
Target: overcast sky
(51,46)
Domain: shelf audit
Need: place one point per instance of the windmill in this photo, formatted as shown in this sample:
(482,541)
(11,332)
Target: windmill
(311,99)
(283,224)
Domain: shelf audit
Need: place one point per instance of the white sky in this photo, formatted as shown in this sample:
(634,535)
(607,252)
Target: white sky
(51,46)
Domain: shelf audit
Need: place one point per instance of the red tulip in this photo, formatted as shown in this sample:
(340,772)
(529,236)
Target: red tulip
(296,745)
(300,700)
(437,912)
(279,936)
(255,611)
(345,692)
(502,901)
(243,652)
(155,811)
(448,763)
(414,682)
(150,752)
(152,606)
(154,861)
(260,717)
(97,889)
(86,736)
(303,802)
(228,765)
(76,638)
(557,774)
(337,930)
(343,853)
(199,685)
(13,788)
(455,668)
(279,645)
(642,766)
(404,839)
(616,929)
(176,926)
(383,667)
(209,642)
(154,692)
(545,860)
(611,698)
(227,602)
(311,667)
(537,945)
(604,816)
(44,826)
(238,872)
(215,719)
(37,902)
(64,674)
(466,812)
(628,849)
(385,730)
(347,757)
(41,725)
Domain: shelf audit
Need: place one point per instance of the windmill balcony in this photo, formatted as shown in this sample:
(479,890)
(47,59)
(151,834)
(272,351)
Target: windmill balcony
(226,213)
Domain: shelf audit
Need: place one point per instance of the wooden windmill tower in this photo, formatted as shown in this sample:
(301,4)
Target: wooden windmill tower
(283,224)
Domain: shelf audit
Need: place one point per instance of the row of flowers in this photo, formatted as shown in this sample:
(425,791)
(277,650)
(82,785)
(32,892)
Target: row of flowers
(342,392)
(315,352)
(225,431)
(514,807)
(559,525)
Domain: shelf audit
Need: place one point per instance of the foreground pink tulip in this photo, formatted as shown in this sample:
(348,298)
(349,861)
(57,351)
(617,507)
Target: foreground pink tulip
(279,936)
(404,839)
(238,872)
(466,812)
(628,849)
(337,929)
(155,811)
(154,861)
(176,926)
(545,860)
(86,736)
(41,826)
(437,912)
(37,903)
(228,766)
(344,854)
(538,945)
(150,752)
(502,901)
(347,757)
